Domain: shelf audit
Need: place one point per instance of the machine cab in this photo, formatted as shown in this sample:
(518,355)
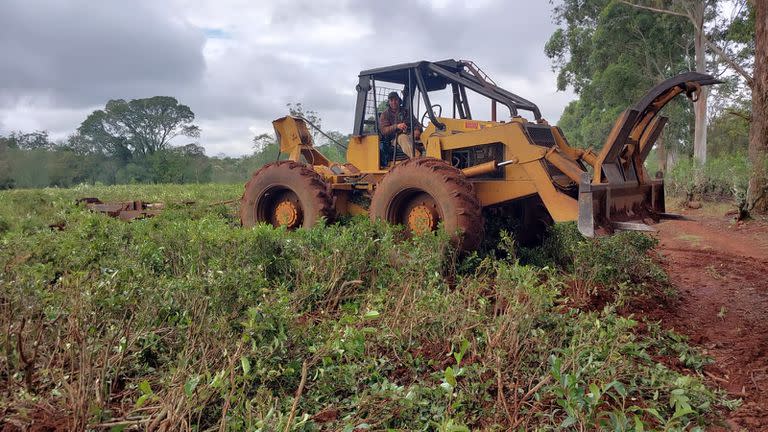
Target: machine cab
(445,97)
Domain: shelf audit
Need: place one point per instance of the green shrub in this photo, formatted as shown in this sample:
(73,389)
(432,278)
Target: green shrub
(191,321)
(609,260)
(722,177)
(5,226)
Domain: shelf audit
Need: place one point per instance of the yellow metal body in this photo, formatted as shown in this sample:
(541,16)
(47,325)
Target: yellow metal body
(363,153)
(513,160)
(296,141)
(524,176)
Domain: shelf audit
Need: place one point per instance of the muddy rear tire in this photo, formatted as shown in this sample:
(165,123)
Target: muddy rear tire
(424,192)
(285,193)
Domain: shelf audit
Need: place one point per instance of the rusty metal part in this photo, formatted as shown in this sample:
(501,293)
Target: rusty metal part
(423,217)
(635,132)
(128,210)
(486,168)
(481,169)
(288,214)
(693,90)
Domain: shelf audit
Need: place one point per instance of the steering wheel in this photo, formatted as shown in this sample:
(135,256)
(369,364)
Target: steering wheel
(424,123)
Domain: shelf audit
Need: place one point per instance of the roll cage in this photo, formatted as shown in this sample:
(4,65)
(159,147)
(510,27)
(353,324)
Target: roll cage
(426,77)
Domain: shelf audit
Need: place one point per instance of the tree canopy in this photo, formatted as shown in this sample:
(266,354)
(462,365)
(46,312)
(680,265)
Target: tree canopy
(610,54)
(140,127)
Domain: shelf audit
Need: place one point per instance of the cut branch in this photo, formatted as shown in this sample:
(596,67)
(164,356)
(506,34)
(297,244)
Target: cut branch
(739,114)
(299,391)
(727,59)
(659,10)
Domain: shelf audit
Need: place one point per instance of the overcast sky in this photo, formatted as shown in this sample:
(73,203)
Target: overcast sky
(237,63)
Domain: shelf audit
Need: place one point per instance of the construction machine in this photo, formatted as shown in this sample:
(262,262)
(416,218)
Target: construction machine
(474,165)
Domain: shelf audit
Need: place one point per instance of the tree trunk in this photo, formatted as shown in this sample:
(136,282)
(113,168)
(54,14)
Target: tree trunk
(757,201)
(661,152)
(700,107)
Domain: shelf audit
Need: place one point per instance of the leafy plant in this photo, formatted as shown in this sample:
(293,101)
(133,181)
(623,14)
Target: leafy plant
(188,320)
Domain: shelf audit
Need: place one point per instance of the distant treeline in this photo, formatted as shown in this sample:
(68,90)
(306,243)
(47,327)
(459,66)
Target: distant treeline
(31,160)
(129,142)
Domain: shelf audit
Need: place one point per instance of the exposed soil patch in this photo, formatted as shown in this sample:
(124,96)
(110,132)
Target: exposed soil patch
(721,272)
(42,418)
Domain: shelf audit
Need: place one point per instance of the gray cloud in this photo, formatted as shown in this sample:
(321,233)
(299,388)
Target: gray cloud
(237,64)
(504,35)
(80,53)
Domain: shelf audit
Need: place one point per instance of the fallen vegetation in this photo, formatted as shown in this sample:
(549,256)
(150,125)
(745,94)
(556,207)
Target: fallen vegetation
(187,322)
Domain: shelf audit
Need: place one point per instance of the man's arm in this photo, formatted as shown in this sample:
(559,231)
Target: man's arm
(387,129)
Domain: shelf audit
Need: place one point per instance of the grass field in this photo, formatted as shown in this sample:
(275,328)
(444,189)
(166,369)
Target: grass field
(188,322)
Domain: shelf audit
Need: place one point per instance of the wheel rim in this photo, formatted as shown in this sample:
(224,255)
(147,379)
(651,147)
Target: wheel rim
(286,213)
(416,210)
(281,207)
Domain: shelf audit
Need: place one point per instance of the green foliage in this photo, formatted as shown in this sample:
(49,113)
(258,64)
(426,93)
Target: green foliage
(615,270)
(611,54)
(109,149)
(62,167)
(37,140)
(229,170)
(735,32)
(139,127)
(127,142)
(728,132)
(609,260)
(670,344)
(190,320)
(722,177)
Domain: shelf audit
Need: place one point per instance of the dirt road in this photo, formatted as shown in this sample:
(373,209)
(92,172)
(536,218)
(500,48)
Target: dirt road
(721,272)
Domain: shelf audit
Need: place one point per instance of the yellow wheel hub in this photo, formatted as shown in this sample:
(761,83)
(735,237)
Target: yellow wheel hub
(422,219)
(287,214)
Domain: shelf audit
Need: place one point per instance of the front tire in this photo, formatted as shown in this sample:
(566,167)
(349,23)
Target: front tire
(285,193)
(424,192)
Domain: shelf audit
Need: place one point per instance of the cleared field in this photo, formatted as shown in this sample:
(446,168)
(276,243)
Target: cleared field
(188,322)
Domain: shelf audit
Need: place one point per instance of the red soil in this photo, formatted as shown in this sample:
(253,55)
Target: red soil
(720,268)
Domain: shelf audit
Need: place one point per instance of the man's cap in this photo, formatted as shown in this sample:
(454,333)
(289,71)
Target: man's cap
(393,95)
